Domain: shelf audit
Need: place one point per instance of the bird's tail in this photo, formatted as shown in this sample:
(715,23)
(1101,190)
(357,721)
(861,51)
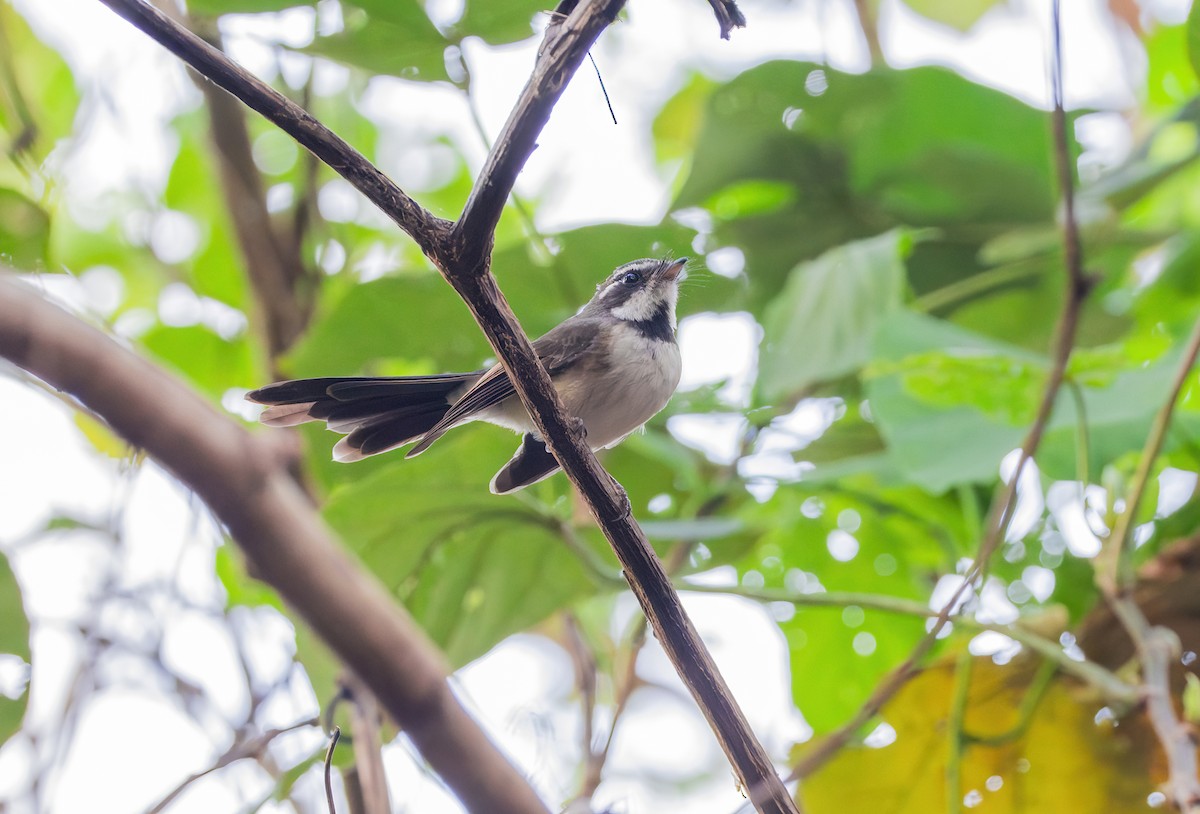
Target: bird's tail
(375,414)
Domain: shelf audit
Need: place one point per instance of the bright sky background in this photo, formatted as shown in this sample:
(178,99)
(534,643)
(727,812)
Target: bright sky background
(131,746)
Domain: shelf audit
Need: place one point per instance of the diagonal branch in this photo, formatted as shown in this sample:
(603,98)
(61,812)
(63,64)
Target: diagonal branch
(244,480)
(462,253)
(565,46)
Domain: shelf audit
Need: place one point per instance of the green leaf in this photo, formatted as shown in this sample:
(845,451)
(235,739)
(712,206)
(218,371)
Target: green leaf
(389,318)
(866,153)
(1171,79)
(938,446)
(38,97)
(694,530)
(824,322)
(881,547)
(678,123)
(500,23)
(960,14)
(215,7)
(395,37)
(1193,39)
(471,567)
(211,363)
(24,231)
(14,640)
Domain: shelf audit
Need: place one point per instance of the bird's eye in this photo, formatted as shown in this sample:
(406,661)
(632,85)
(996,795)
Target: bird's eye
(631,278)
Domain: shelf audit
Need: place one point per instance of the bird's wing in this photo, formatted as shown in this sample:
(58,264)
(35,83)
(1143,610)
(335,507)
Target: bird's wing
(564,345)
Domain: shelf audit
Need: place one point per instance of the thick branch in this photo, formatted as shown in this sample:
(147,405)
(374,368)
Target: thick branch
(244,481)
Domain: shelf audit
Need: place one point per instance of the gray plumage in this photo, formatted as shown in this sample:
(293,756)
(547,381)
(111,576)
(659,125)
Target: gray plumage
(614,364)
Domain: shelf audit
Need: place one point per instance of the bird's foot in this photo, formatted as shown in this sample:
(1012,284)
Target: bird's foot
(576,425)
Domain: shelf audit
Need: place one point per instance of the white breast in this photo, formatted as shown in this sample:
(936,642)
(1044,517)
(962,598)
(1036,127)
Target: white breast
(644,374)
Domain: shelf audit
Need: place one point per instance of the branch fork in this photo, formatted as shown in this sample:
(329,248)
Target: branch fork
(270,518)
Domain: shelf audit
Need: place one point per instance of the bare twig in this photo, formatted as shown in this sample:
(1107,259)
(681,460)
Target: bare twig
(1078,285)
(240,750)
(333,741)
(1157,647)
(870,30)
(368,747)
(1114,569)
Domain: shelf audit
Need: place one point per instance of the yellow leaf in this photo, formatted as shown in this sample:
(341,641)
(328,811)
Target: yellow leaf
(1063,761)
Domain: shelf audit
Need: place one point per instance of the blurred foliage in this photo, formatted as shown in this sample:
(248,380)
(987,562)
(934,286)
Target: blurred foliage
(14,644)
(899,255)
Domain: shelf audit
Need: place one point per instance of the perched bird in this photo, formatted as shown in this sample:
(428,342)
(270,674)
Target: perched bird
(615,364)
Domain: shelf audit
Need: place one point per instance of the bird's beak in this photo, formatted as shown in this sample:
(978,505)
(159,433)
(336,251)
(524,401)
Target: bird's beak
(674,271)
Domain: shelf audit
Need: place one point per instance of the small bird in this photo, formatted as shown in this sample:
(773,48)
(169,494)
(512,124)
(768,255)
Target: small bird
(615,364)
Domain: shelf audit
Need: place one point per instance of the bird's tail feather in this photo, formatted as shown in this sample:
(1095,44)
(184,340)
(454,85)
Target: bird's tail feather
(376,414)
(531,463)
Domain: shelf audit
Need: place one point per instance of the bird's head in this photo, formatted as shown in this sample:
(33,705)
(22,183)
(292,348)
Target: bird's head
(641,291)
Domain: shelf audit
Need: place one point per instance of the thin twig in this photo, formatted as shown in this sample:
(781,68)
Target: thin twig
(603,89)
(1115,568)
(1078,285)
(333,740)
(1157,647)
(240,750)
(368,746)
(955,731)
(870,29)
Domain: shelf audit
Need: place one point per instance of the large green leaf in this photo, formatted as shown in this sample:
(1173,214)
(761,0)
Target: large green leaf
(14,641)
(471,567)
(862,154)
(390,318)
(950,404)
(823,323)
(953,440)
